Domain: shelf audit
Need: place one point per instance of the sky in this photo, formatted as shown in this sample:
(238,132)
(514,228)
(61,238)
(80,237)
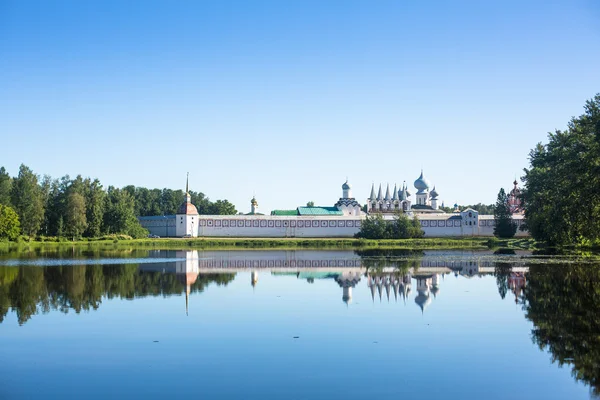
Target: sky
(284,100)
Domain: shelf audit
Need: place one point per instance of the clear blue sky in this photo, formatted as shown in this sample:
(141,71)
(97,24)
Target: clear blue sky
(286,98)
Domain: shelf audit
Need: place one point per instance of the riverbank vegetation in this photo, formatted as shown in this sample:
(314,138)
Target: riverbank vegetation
(375,227)
(123,241)
(75,208)
(562,184)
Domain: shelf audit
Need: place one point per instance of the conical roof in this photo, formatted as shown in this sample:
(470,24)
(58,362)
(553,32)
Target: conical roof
(379,197)
(372,197)
(387,193)
(395,192)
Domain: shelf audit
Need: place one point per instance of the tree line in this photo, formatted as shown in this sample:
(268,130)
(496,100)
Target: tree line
(562,184)
(32,205)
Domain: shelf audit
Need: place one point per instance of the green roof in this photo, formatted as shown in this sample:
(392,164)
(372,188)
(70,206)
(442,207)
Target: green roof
(284,212)
(319,211)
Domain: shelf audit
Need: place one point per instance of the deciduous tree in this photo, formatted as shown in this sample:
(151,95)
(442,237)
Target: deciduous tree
(10,227)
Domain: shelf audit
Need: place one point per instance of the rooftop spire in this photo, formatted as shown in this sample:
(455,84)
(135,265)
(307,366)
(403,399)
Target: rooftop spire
(187,179)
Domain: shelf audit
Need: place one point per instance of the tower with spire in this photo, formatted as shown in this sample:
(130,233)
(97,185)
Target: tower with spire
(186,219)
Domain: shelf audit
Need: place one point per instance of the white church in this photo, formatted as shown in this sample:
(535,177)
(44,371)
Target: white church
(343,219)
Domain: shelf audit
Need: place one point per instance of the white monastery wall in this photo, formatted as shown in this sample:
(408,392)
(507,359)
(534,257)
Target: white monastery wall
(438,225)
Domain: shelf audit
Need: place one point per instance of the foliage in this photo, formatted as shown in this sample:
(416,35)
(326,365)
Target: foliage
(10,227)
(376,227)
(561,196)
(5,187)
(120,216)
(504,226)
(75,215)
(28,201)
(482,209)
(81,207)
(310,204)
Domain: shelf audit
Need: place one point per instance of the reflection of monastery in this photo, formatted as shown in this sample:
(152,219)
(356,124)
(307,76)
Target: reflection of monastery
(343,219)
(345,268)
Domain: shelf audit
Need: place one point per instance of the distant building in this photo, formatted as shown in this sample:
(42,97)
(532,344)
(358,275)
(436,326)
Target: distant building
(343,219)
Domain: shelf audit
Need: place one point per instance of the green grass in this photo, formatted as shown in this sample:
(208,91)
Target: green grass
(280,243)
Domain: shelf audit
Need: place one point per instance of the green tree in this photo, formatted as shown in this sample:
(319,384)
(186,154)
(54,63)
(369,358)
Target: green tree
(504,225)
(375,227)
(5,187)
(310,204)
(75,218)
(223,207)
(95,207)
(27,199)
(561,196)
(120,216)
(10,227)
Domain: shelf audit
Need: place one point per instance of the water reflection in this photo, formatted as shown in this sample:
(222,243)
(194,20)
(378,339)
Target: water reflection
(561,301)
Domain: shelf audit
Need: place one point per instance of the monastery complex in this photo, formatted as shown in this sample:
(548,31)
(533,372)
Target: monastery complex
(343,219)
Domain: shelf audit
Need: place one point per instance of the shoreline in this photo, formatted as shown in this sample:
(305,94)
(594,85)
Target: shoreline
(283,243)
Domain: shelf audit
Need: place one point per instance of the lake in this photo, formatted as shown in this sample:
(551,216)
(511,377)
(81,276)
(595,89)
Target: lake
(97,324)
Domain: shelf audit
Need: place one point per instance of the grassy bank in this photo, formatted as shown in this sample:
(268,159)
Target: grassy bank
(284,243)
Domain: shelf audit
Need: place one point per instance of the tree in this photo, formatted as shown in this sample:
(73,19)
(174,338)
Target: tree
(504,225)
(223,207)
(405,228)
(310,204)
(95,206)
(561,196)
(120,216)
(75,218)
(375,227)
(5,187)
(10,227)
(27,200)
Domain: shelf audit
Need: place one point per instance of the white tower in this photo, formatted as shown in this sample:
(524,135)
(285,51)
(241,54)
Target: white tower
(186,219)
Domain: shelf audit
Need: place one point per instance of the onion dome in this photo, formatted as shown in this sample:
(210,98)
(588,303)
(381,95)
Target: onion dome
(346,185)
(433,193)
(253,201)
(421,184)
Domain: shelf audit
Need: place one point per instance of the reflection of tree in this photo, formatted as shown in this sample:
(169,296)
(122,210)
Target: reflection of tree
(564,305)
(502,272)
(30,290)
(401,260)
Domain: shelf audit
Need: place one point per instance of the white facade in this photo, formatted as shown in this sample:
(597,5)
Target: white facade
(465,223)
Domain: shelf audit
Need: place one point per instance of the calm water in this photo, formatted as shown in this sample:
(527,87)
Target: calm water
(298,325)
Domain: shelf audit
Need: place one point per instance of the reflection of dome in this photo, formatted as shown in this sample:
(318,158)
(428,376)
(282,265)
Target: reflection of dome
(421,183)
(422,300)
(346,186)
